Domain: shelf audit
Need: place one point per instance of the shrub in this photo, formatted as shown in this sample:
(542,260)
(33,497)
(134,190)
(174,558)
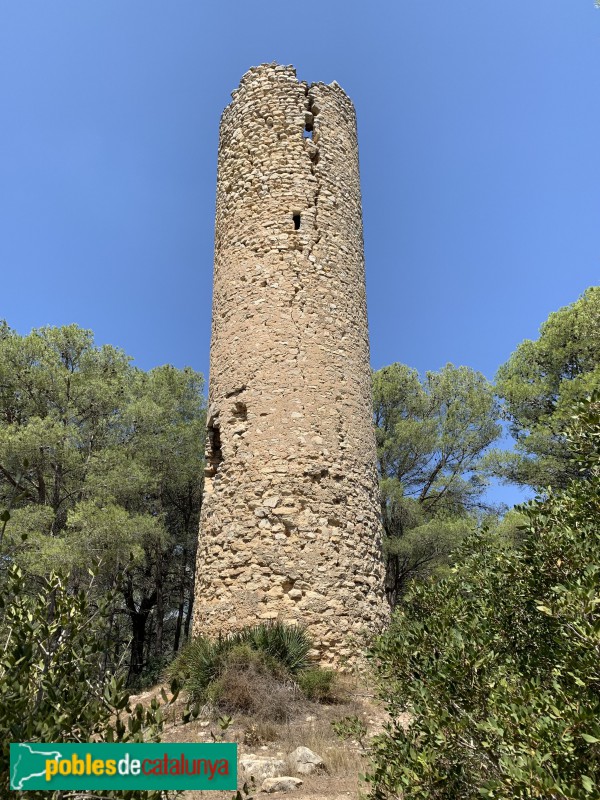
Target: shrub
(252,683)
(197,665)
(318,684)
(283,649)
(52,688)
(287,644)
(499,663)
(351,727)
(154,669)
(259,732)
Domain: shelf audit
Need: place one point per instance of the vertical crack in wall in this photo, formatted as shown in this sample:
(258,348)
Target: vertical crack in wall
(312,150)
(311,146)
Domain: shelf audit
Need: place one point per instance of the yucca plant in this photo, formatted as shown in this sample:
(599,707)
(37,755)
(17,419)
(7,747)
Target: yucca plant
(196,666)
(288,644)
(202,661)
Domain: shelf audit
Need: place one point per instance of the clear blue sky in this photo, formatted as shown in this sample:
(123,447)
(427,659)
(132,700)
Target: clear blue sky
(478,133)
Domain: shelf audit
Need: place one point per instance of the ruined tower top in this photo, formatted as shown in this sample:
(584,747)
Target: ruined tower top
(290,524)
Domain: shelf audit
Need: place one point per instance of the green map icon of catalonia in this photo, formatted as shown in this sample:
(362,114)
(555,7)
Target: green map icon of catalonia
(27,762)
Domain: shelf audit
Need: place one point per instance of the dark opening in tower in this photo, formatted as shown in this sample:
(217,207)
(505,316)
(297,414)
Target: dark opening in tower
(296,219)
(214,454)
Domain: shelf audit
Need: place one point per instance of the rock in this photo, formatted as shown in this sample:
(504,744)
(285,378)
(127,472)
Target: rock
(312,152)
(282,784)
(262,767)
(305,761)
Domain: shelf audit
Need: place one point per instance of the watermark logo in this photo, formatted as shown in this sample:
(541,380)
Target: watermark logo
(123,766)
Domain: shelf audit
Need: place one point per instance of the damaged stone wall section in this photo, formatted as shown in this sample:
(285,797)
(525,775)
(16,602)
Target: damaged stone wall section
(213,452)
(311,146)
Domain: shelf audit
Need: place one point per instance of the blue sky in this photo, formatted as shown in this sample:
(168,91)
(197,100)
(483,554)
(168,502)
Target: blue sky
(478,133)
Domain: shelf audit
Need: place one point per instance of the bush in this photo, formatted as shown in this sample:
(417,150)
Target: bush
(498,664)
(283,649)
(318,684)
(287,644)
(350,728)
(52,687)
(252,683)
(154,669)
(197,665)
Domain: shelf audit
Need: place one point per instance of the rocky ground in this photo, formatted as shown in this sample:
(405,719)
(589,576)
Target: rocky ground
(304,747)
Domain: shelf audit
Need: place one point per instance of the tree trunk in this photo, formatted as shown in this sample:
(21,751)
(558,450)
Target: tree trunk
(181,606)
(139,618)
(138,626)
(178,626)
(160,610)
(190,607)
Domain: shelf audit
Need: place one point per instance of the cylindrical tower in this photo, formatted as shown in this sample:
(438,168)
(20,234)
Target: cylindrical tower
(290,526)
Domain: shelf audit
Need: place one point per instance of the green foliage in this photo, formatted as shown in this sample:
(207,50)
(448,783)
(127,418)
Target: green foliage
(289,645)
(431,434)
(318,684)
(498,665)
(253,671)
(236,661)
(351,727)
(52,684)
(201,661)
(198,664)
(425,550)
(101,461)
(431,437)
(539,383)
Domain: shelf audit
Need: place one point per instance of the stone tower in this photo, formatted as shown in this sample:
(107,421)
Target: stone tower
(290,525)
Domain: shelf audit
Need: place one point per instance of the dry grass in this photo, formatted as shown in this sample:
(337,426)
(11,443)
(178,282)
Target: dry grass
(255,692)
(305,723)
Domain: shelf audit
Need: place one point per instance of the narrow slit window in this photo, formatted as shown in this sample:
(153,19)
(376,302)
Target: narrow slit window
(296,218)
(307,133)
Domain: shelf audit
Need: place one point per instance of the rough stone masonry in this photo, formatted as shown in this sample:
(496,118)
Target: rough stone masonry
(290,526)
